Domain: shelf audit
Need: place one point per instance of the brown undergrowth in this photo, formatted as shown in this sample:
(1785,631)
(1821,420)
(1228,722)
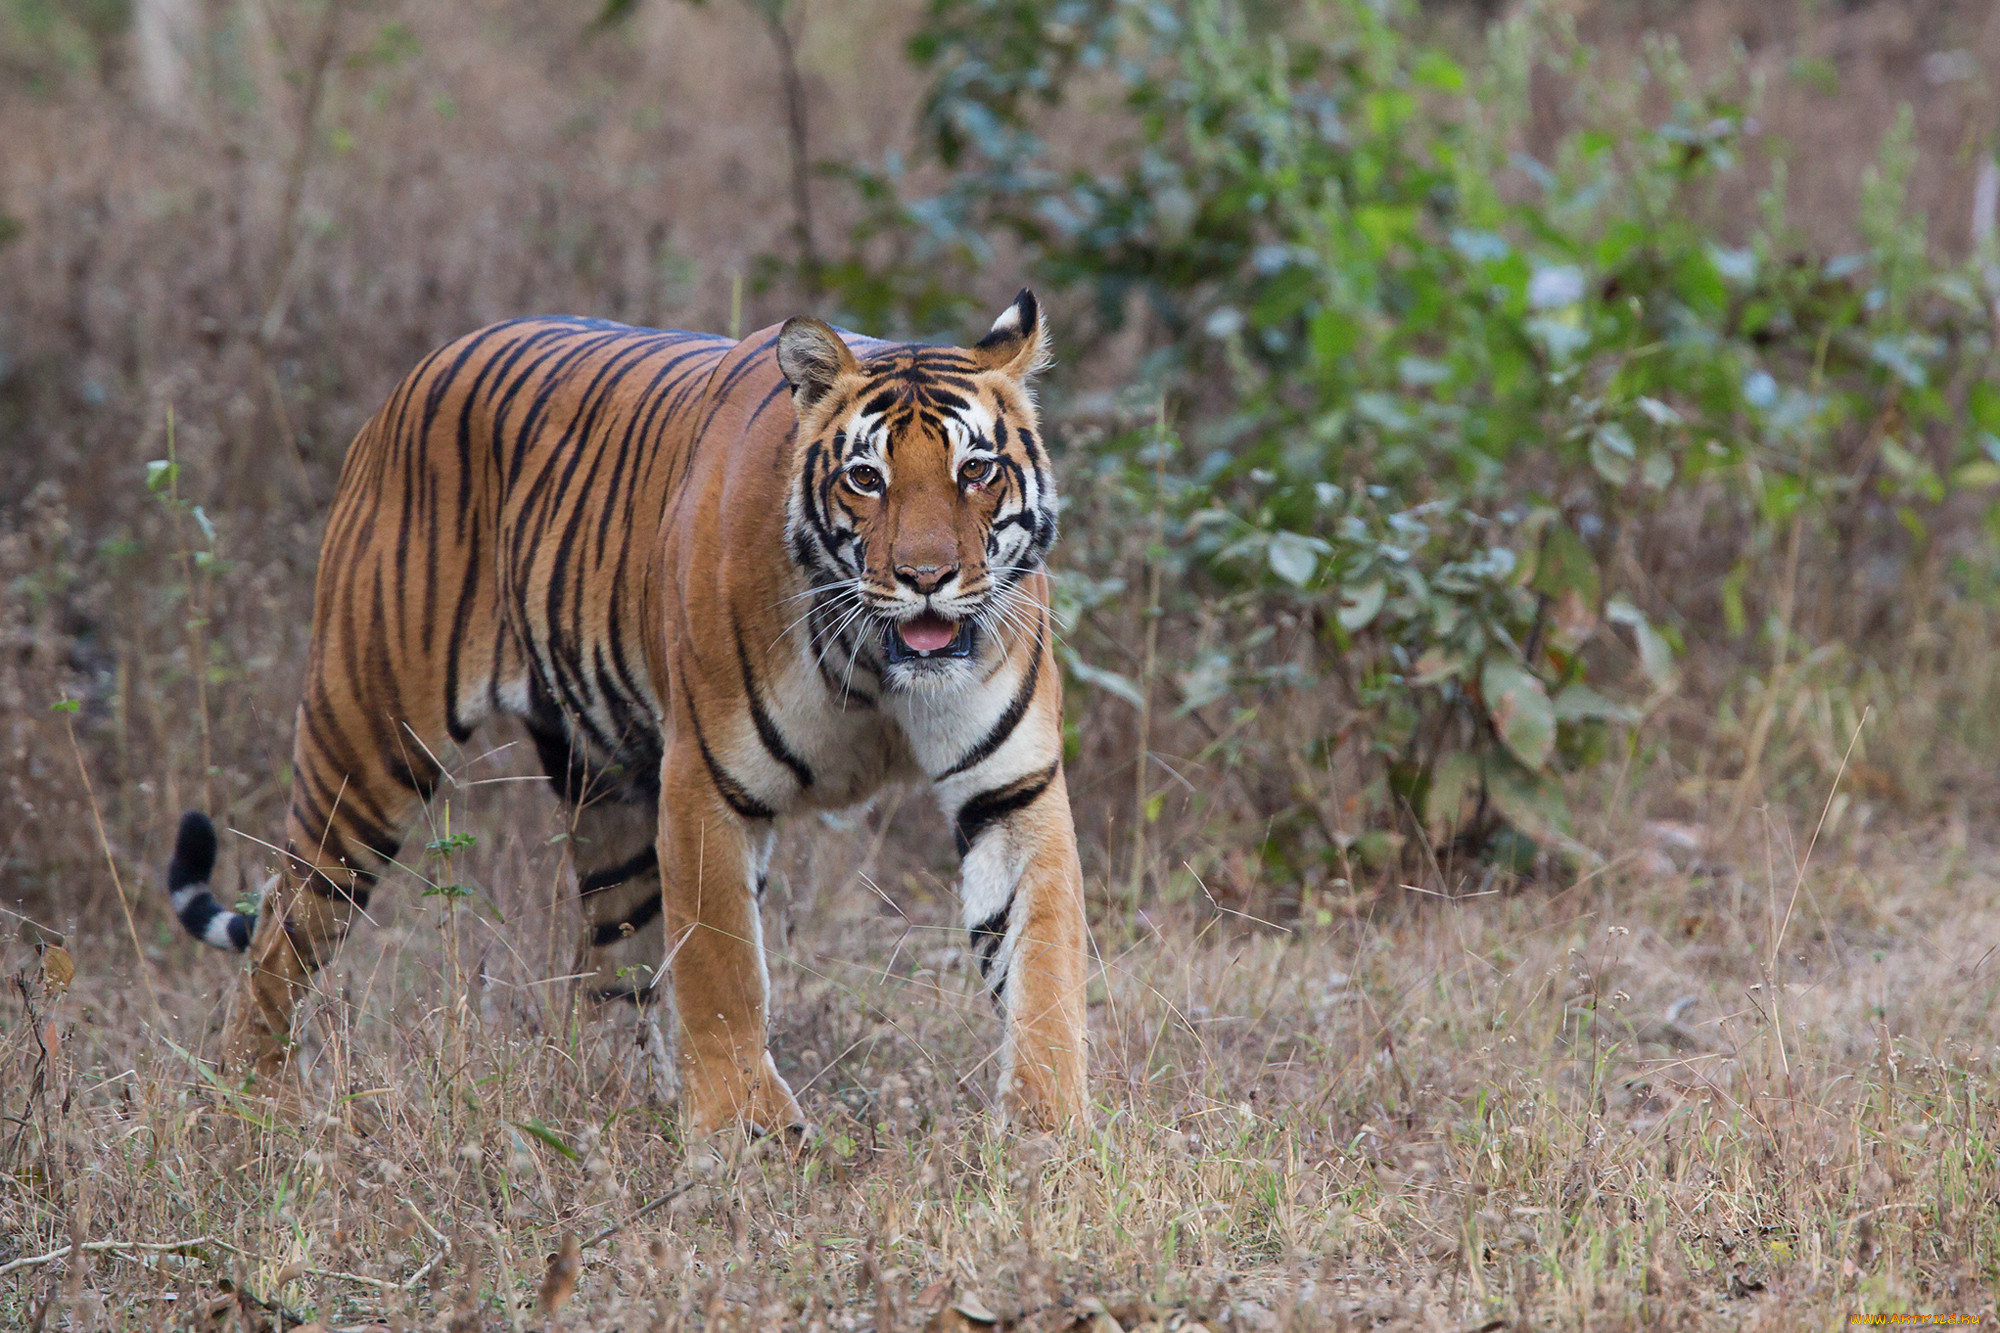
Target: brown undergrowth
(1703,1087)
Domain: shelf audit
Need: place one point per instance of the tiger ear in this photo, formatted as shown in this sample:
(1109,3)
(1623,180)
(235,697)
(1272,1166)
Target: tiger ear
(812,356)
(1018,344)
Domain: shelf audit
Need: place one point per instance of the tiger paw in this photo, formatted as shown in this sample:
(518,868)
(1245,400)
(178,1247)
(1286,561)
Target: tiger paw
(721,1095)
(1031,1099)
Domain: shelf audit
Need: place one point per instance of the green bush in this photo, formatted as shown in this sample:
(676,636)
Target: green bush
(1428,386)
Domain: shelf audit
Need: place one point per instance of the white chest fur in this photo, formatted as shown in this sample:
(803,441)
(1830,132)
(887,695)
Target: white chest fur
(799,746)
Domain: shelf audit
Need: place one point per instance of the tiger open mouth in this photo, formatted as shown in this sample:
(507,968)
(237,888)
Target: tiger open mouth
(927,637)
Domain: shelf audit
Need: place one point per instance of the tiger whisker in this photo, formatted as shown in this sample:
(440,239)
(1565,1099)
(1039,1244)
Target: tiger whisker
(834,636)
(817,589)
(833,603)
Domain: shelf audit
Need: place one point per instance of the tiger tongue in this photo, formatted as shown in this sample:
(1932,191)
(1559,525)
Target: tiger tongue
(928,632)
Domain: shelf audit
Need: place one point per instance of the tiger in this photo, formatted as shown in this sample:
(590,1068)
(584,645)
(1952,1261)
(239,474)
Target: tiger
(720,582)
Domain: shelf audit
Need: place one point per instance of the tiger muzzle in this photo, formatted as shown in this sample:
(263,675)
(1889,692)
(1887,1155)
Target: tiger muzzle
(929,637)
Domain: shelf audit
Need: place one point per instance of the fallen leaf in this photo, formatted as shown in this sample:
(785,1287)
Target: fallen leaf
(58,969)
(560,1280)
(52,1040)
(953,1312)
(974,1309)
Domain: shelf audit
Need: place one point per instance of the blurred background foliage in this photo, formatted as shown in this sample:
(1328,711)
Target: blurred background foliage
(1454,402)
(1473,444)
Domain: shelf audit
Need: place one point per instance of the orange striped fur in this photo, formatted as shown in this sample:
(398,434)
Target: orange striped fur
(719,583)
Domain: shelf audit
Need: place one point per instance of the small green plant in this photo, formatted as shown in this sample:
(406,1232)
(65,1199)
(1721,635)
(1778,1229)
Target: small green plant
(451,844)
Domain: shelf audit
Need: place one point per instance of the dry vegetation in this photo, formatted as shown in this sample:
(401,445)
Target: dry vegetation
(1741,1073)
(1731,1094)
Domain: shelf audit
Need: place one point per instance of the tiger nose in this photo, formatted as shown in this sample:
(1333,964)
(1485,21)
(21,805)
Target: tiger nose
(926,579)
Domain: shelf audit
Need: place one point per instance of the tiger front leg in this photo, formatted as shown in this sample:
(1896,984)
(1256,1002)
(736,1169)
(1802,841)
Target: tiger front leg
(711,866)
(1022,893)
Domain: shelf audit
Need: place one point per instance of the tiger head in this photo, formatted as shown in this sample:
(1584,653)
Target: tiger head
(922,494)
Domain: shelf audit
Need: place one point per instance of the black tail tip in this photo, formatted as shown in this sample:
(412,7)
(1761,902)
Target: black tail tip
(194,852)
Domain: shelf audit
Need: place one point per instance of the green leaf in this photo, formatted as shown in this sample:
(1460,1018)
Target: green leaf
(1901,356)
(1977,475)
(1982,402)
(1580,703)
(1434,69)
(1520,710)
(1530,802)
(1659,413)
(161,474)
(64,706)
(1435,665)
(1656,655)
(1454,779)
(1565,565)
(548,1136)
(1108,681)
(1294,558)
(1733,613)
(1362,605)
(1611,453)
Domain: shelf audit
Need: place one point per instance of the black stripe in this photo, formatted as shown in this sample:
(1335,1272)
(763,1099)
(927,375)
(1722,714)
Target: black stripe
(641,997)
(322,883)
(599,880)
(767,730)
(199,911)
(641,915)
(194,852)
(553,382)
(1017,708)
(734,794)
(983,811)
(563,764)
(421,779)
(757,358)
(639,429)
(988,935)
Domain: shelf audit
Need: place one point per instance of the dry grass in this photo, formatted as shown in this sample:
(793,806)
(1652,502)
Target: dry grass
(1699,1087)
(1745,1093)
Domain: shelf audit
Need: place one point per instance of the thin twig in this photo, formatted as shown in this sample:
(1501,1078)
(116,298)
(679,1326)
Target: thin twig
(772,12)
(193,1247)
(652,1207)
(115,1246)
(145,971)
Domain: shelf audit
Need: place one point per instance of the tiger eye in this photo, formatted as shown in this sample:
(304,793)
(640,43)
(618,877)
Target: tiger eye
(864,478)
(975,471)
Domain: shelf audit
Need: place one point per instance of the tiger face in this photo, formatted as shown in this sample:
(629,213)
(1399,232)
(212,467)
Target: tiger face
(922,494)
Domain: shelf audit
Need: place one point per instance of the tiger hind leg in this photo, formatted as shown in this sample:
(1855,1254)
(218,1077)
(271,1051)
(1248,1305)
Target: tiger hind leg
(619,951)
(353,798)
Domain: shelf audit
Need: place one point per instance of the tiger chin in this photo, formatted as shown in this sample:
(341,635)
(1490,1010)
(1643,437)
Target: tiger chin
(719,582)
